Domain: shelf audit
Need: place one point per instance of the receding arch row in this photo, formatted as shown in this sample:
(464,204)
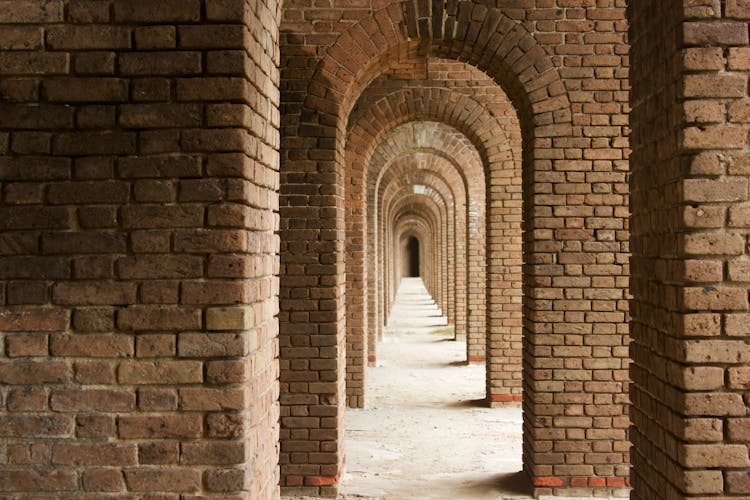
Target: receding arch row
(408,208)
(485,134)
(450,174)
(398,180)
(519,63)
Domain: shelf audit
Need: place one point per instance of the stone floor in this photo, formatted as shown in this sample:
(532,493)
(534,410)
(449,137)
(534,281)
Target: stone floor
(425,433)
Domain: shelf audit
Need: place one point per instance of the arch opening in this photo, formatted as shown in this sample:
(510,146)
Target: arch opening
(541,185)
(412,258)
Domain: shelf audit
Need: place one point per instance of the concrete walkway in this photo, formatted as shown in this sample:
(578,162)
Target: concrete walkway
(424,433)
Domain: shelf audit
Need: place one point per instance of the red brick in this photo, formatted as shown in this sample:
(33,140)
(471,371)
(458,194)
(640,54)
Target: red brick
(160,63)
(160,372)
(159,452)
(47,320)
(35,218)
(31,11)
(92,400)
(26,345)
(23,480)
(168,426)
(87,37)
(21,37)
(91,346)
(208,399)
(146,479)
(160,115)
(162,266)
(103,480)
(35,426)
(158,318)
(707,34)
(165,12)
(94,454)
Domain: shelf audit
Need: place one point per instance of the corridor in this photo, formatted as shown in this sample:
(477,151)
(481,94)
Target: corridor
(425,432)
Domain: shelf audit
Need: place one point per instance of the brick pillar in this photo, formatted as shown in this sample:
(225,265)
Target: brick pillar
(139,177)
(690,329)
(312,319)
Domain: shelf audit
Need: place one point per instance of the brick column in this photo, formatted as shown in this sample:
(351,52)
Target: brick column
(690,329)
(139,180)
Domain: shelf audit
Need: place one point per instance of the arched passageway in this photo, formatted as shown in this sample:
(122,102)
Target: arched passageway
(411,258)
(550,295)
(200,200)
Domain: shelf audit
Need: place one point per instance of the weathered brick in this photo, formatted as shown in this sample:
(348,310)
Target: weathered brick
(30,320)
(708,34)
(160,63)
(160,115)
(90,293)
(91,346)
(165,12)
(35,218)
(159,166)
(158,216)
(87,37)
(163,479)
(30,480)
(697,455)
(209,345)
(103,480)
(21,37)
(94,454)
(213,453)
(158,318)
(174,426)
(26,345)
(31,11)
(208,399)
(160,372)
(35,426)
(160,266)
(92,400)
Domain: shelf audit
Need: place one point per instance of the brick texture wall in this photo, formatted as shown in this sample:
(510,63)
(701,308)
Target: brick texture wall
(689,194)
(139,181)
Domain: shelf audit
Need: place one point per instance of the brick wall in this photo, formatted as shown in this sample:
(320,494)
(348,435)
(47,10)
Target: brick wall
(139,180)
(690,307)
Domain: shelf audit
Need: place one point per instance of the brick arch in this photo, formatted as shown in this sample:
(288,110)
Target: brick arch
(464,30)
(361,346)
(363,150)
(425,208)
(484,133)
(440,139)
(413,224)
(409,165)
(449,143)
(513,58)
(430,206)
(405,237)
(446,146)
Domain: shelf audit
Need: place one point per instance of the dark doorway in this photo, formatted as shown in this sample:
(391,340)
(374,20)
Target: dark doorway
(412,249)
